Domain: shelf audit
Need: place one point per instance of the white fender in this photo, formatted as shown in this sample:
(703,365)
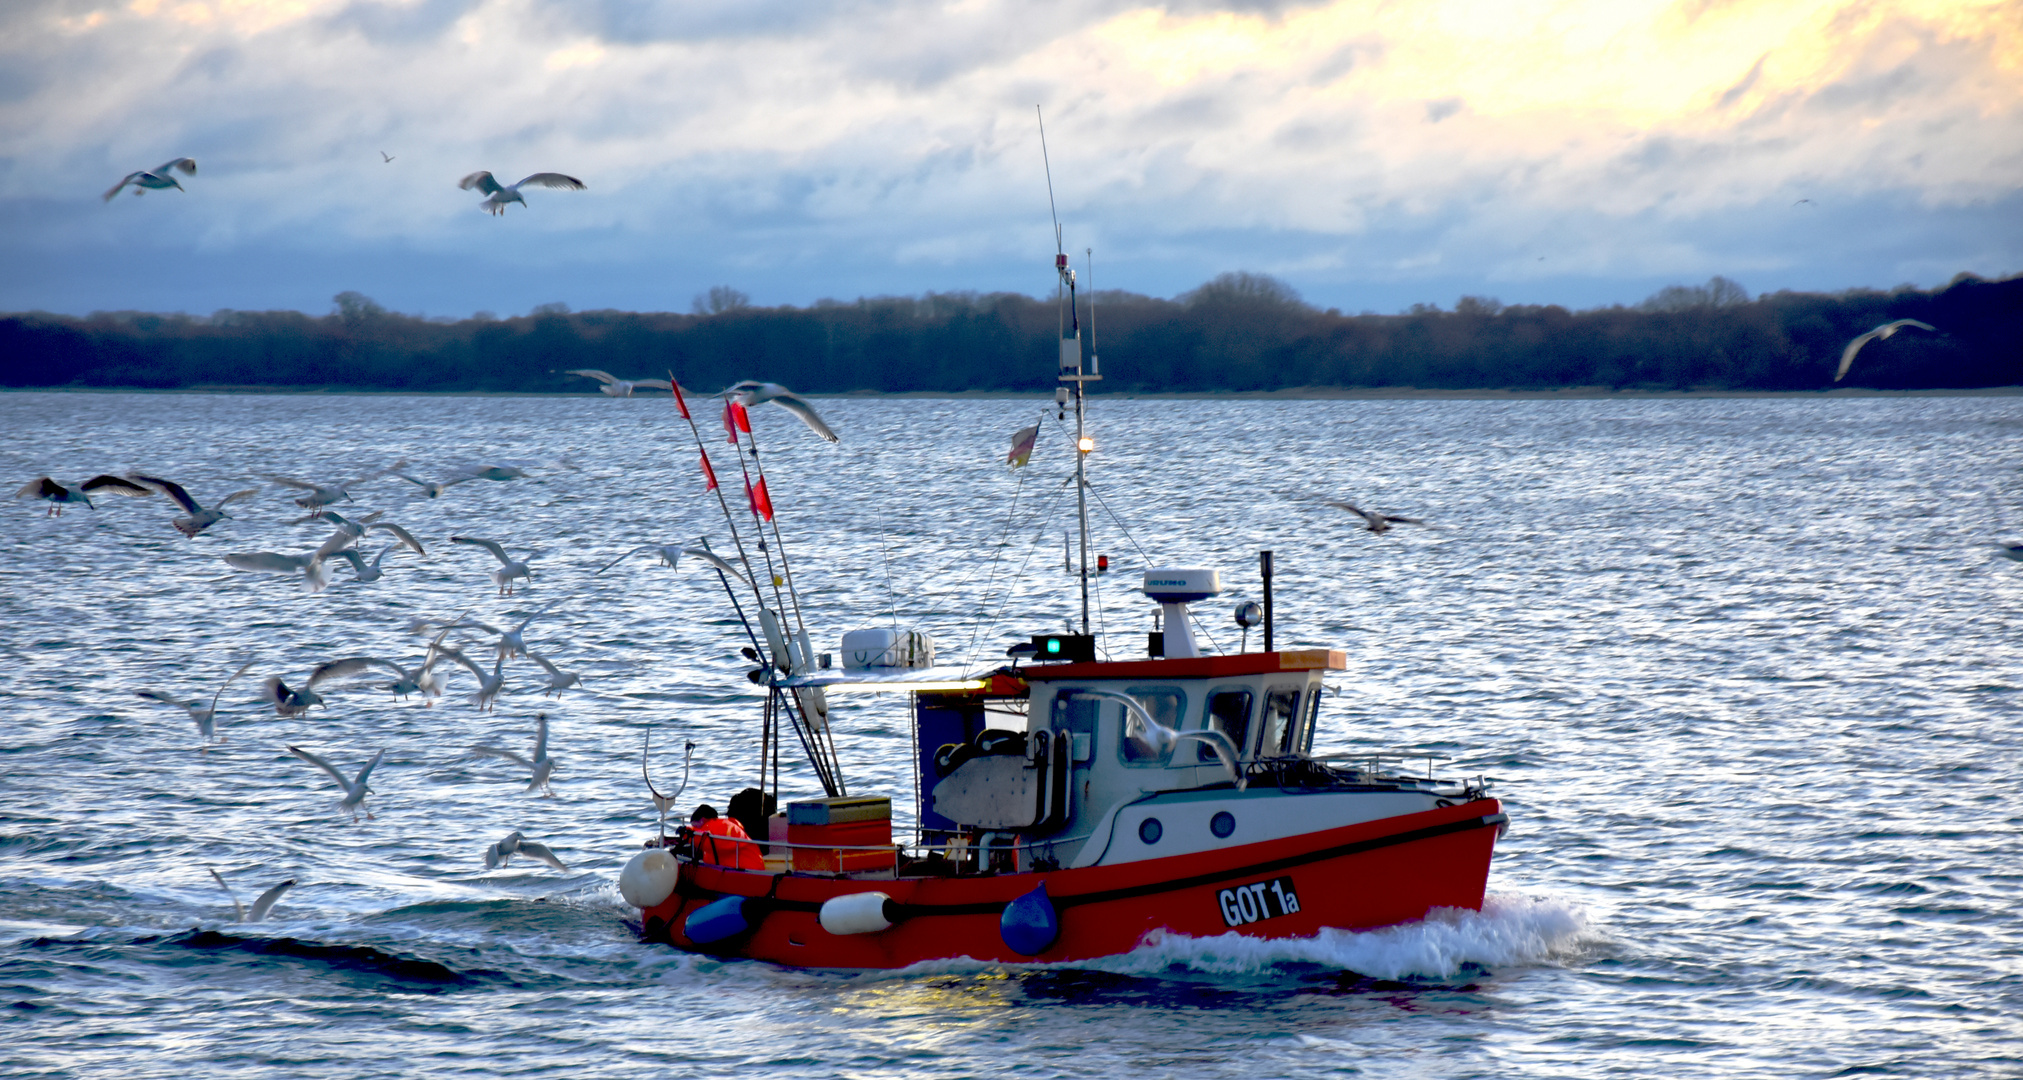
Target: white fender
(858,913)
(649,878)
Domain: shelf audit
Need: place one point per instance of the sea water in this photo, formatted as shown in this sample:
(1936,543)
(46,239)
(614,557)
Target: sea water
(1744,672)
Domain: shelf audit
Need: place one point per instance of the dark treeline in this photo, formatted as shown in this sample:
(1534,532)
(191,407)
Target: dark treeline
(1240,332)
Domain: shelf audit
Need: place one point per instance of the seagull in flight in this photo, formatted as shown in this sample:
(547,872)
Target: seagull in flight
(541,766)
(196,517)
(1376,523)
(60,496)
(499,196)
(488,685)
(204,716)
(750,393)
(366,571)
(261,906)
(355,791)
(388,157)
(290,702)
(358,529)
(160,177)
(508,570)
(558,680)
(516,844)
(325,494)
(617,387)
(434,488)
(1883,332)
(669,554)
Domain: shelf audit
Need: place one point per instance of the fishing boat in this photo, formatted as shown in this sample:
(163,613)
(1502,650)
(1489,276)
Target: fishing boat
(1069,805)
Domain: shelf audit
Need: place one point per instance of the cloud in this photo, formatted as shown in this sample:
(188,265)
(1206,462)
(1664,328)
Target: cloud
(1338,144)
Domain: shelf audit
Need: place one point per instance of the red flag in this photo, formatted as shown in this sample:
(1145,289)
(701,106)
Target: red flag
(736,420)
(679,403)
(708,472)
(762,504)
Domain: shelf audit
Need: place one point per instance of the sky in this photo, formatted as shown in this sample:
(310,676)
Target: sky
(1371,153)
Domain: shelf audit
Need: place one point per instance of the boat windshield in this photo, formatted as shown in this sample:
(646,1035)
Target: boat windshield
(1166,705)
(1229,713)
(1281,705)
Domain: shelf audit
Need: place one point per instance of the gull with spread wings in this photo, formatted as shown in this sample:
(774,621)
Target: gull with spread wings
(196,517)
(497,196)
(1880,333)
(204,716)
(750,393)
(261,906)
(508,570)
(158,178)
(325,494)
(541,766)
(355,791)
(1376,523)
(516,844)
(614,386)
(59,496)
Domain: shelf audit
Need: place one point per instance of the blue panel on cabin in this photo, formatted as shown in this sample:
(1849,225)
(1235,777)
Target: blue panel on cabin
(937,727)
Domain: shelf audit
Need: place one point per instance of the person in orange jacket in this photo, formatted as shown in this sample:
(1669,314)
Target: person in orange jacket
(723,841)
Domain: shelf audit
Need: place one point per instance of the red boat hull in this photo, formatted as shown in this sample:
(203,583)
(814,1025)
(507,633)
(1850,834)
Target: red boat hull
(1356,877)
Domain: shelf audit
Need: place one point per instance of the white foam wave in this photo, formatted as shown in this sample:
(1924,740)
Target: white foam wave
(1510,930)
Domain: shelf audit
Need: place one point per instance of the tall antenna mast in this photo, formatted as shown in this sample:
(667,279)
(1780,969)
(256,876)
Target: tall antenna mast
(1071,366)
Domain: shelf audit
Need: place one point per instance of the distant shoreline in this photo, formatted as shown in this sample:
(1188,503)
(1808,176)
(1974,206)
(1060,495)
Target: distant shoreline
(1576,393)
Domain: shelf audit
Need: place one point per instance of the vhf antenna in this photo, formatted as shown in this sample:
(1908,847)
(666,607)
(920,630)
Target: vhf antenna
(1071,371)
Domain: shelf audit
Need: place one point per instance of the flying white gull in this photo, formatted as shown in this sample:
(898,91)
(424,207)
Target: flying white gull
(1884,332)
(261,906)
(370,522)
(434,488)
(558,680)
(160,177)
(670,554)
(541,766)
(749,393)
(60,496)
(204,716)
(617,387)
(352,665)
(366,571)
(488,685)
(325,494)
(355,791)
(508,570)
(196,517)
(499,196)
(515,844)
(1375,523)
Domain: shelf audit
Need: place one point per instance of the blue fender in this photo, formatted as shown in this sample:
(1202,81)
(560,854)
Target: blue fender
(1029,925)
(717,920)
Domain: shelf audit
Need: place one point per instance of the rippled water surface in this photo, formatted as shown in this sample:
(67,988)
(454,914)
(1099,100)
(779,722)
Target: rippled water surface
(1746,672)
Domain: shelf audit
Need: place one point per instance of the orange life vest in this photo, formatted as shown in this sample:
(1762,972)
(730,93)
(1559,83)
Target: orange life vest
(724,842)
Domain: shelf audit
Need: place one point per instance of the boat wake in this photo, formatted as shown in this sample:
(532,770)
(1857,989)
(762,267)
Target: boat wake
(1511,930)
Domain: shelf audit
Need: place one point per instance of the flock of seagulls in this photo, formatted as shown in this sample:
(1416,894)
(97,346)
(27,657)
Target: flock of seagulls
(291,697)
(497,195)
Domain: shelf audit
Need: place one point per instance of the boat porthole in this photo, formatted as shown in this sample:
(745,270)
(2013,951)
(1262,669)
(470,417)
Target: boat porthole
(1149,830)
(1222,824)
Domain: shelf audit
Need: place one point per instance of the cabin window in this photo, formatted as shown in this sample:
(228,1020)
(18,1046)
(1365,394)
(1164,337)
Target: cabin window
(1228,712)
(1312,721)
(1139,746)
(1281,710)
